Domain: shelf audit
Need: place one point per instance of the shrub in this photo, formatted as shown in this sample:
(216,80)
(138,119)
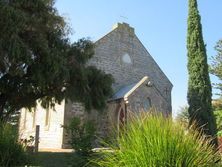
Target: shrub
(28,144)
(81,135)
(151,140)
(11,152)
(183,116)
(217,108)
(218,116)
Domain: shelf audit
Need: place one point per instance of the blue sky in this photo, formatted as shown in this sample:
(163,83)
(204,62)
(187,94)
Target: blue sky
(160,25)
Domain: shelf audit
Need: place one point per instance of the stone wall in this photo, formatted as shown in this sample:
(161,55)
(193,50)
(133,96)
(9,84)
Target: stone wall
(104,120)
(108,57)
(51,131)
(147,97)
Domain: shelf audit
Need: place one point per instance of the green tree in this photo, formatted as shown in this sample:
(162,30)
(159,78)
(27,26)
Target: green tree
(199,86)
(216,66)
(217,108)
(37,60)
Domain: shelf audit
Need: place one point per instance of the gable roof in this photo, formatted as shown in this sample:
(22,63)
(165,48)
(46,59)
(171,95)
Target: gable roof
(126,91)
(126,27)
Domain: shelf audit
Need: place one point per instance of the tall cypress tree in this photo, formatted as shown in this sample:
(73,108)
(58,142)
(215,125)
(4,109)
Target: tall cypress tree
(199,86)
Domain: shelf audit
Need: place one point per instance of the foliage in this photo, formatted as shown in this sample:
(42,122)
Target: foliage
(216,66)
(28,144)
(183,115)
(152,140)
(199,86)
(217,107)
(82,134)
(37,60)
(217,104)
(11,152)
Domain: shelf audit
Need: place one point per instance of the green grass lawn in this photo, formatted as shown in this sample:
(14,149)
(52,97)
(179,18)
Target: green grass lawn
(51,159)
(58,159)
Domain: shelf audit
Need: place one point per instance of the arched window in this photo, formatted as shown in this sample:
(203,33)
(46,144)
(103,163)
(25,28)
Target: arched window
(47,118)
(34,118)
(147,104)
(25,118)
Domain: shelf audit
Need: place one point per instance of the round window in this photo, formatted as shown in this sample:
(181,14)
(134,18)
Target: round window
(126,58)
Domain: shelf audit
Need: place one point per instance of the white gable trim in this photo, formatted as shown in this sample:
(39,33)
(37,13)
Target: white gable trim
(134,88)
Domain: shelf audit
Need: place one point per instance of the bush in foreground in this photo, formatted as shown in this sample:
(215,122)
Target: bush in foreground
(11,152)
(153,140)
(82,134)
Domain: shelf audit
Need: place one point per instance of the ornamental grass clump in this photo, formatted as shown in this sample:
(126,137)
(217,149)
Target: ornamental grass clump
(12,153)
(153,140)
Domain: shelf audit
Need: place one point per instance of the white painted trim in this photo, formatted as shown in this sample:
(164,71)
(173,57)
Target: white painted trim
(135,87)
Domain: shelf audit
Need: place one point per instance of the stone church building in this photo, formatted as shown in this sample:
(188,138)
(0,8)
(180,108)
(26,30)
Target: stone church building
(139,85)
